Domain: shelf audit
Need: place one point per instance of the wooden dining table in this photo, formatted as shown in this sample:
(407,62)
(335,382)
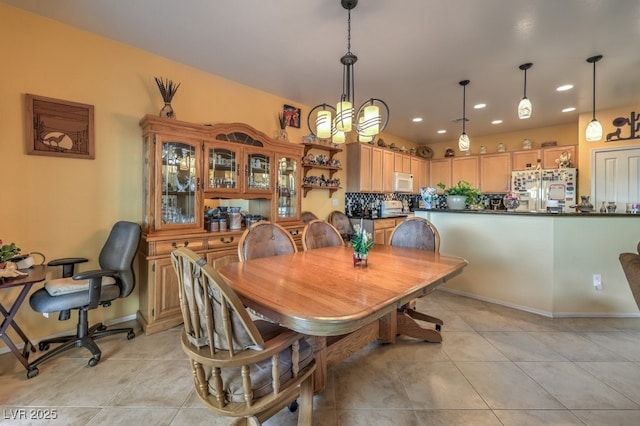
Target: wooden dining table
(342,307)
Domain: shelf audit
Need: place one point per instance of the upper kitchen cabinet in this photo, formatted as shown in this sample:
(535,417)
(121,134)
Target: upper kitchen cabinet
(466,169)
(495,172)
(402,162)
(419,171)
(526,159)
(551,154)
(440,172)
(185,163)
(359,163)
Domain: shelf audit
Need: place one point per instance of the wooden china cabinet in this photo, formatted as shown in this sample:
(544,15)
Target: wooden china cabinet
(185,164)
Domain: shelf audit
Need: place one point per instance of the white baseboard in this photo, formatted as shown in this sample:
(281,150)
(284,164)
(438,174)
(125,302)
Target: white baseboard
(544,313)
(20,346)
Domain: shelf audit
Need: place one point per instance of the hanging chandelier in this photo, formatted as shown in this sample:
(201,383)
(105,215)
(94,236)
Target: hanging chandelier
(594,128)
(372,116)
(525,108)
(464,142)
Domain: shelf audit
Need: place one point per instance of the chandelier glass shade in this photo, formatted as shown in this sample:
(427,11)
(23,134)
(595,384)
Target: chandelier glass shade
(525,108)
(371,117)
(463,142)
(594,128)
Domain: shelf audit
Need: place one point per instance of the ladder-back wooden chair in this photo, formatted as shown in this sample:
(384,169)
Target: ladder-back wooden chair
(241,368)
(318,233)
(419,233)
(265,239)
(342,223)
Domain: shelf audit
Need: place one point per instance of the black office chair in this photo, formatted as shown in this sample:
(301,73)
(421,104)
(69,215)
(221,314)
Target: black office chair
(88,290)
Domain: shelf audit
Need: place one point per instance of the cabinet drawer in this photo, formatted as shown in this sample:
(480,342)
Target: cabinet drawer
(164,247)
(384,223)
(223,241)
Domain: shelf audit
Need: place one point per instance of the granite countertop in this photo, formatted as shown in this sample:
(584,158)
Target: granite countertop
(379,217)
(523,213)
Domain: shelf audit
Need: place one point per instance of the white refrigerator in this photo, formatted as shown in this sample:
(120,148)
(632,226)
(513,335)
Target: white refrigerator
(535,187)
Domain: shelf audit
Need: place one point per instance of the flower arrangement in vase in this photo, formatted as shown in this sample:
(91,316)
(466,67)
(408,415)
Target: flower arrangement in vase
(361,241)
(168,90)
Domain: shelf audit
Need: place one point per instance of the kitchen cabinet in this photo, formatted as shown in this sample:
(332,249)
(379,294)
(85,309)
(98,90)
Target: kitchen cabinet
(419,172)
(185,163)
(495,172)
(550,154)
(328,165)
(359,167)
(440,172)
(380,229)
(523,160)
(376,169)
(402,162)
(466,169)
(387,170)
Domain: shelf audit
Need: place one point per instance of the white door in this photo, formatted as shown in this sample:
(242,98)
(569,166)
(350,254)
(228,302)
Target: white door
(616,177)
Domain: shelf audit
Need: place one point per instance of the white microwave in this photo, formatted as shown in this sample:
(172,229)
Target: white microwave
(402,182)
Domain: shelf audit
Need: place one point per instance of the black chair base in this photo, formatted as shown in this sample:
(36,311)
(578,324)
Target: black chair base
(85,337)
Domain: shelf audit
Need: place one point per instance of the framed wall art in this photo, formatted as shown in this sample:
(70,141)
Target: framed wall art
(59,128)
(292,115)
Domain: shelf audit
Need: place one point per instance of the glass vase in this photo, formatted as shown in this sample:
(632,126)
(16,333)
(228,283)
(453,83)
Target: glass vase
(360,259)
(167,111)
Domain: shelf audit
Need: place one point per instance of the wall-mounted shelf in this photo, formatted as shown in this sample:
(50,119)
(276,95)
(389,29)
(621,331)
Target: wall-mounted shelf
(332,189)
(331,150)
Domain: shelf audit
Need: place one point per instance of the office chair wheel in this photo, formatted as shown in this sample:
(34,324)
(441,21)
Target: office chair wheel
(293,406)
(32,372)
(438,327)
(93,361)
(43,346)
(131,335)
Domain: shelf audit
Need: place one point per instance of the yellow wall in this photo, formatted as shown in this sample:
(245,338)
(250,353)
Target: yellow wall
(66,207)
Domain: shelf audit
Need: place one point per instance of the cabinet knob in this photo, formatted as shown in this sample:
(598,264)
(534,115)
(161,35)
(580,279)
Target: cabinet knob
(186,243)
(230,240)
(174,245)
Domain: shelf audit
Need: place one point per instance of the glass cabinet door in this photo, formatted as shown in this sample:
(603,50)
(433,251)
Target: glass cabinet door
(258,171)
(288,195)
(222,169)
(179,184)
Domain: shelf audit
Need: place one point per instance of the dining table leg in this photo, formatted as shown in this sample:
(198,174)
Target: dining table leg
(409,327)
(319,345)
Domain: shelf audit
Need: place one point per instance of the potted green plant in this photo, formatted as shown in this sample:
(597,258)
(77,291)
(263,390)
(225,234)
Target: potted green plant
(7,251)
(361,241)
(460,195)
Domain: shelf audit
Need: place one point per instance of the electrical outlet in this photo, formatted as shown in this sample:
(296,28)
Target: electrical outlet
(597,281)
(335,202)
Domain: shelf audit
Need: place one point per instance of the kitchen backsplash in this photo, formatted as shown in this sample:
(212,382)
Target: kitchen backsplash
(354,201)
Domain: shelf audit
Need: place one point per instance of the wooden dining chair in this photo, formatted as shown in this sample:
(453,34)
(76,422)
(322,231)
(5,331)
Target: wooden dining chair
(631,266)
(241,368)
(265,239)
(342,223)
(419,233)
(308,217)
(318,233)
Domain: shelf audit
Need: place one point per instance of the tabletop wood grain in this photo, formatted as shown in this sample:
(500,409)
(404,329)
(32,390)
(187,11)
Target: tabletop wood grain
(319,292)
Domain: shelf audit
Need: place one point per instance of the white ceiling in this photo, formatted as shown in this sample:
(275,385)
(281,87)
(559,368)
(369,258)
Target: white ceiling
(412,53)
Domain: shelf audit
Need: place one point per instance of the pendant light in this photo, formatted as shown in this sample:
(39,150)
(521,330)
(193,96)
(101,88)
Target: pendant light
(525,108)
(463,141)
(368,121)
(594,128)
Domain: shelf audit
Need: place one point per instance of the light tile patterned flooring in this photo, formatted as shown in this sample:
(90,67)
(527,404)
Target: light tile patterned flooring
(496,366)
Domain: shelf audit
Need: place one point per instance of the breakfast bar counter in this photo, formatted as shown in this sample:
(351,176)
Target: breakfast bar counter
(541,262)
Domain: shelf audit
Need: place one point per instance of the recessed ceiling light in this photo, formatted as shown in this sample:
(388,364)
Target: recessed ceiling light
(442,131)
(570,109)
(565,87)
(480,106)
(496,122)
(417,119)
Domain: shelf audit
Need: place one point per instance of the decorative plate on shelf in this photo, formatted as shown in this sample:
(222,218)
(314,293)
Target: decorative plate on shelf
(424,151)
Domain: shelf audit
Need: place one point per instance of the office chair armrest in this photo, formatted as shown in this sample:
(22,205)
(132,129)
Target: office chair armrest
(68,264)
(95,283)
